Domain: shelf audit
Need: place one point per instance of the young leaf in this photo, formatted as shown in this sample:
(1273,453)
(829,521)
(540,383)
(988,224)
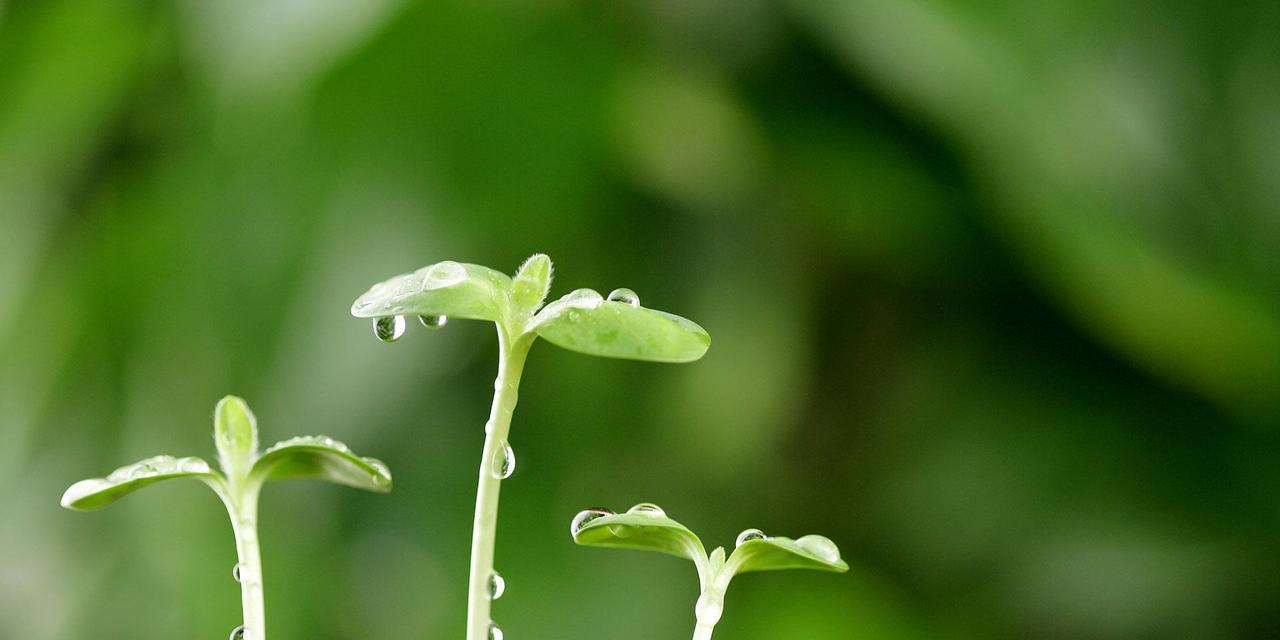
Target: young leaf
(235,433)
(638,529)
(323,458)
(532,282)
(443,289)
(774,553)
(584,321)
(96,493)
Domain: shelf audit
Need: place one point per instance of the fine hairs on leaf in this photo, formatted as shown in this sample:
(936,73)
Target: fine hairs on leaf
(243,471)
(647,527)
(613,326)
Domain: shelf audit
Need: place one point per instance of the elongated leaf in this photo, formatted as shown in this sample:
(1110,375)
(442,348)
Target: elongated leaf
(323,458)
(446,288)
(645,531)
(770,554)
(584,321)
(235,433)
(96,493)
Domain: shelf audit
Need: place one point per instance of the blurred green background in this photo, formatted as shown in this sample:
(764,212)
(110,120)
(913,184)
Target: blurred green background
(994,289)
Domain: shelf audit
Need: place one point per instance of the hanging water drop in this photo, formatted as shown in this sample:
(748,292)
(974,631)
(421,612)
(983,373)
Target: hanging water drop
(647,509)
(237,633)
(389,328)
(625,296)
(504,462)
(433,322)
(497,585)
(748,536)
(235,572)
(585,517)
(495,632)
(820,546)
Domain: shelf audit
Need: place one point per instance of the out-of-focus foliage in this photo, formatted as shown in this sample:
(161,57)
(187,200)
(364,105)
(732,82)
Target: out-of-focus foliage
(994,291)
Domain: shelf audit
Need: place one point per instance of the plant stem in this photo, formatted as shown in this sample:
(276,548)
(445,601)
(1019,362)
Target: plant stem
(244,522)
(703,631)
(511,358)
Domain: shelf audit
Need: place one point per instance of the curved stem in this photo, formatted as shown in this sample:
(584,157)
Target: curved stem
(511,358)
(244,523)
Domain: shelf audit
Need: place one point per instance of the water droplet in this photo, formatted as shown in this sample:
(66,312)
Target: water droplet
(433,322)
(709,609)
(504,462)
(382,474)
(443,274)
(495,632)
(820,546)
(497,585)
(192,465)
(235,572)
(625,296)
(237,633)
(389,328)
(748,536)
(585,517)
(583,299)
(647,509)
(143,470)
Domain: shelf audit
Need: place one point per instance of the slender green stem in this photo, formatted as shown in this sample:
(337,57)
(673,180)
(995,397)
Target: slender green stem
(511,354)
(242,506)
(703,631)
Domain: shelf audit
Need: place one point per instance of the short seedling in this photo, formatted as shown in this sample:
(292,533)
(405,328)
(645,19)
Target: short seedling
(613,326)
(244,469)
(646,526)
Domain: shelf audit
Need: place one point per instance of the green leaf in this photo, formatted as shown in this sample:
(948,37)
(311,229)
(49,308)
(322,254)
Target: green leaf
(451,289)
(638,529)
(532,282)
(323,458)
(96,493)
(770,554)
(584,321)
(235,433)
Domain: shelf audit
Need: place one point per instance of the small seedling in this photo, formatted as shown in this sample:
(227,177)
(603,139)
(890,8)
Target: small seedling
(613,326)
(647,527)
(244,470)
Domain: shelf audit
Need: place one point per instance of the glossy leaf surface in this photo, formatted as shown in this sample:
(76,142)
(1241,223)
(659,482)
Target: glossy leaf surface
(96,493)
(322,458)
(584,321)
(448,288)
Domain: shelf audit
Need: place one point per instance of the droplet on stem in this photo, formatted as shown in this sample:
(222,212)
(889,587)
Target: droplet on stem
(495,632)
(433,322)
(497,585)
(748,536)
(389,328)
(585,517)
(235,572)
(504,462)
(709,609)
(625,296)
(237,633)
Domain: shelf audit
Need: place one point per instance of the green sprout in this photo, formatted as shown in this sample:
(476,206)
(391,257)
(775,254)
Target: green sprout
(613,326)
(647,527)
(244,470)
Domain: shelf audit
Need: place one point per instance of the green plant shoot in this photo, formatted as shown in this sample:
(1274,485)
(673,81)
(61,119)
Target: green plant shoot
(647,527)
(244,470)
(613,326)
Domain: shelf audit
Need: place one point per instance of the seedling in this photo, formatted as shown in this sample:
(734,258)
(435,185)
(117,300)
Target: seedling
(244,470)
(613,326)
(647,527)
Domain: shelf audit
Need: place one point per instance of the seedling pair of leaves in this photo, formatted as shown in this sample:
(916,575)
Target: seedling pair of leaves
(647,527)
(244,469)
(613,326)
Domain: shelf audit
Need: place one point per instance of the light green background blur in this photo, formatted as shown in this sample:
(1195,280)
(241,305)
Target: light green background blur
(994,291)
